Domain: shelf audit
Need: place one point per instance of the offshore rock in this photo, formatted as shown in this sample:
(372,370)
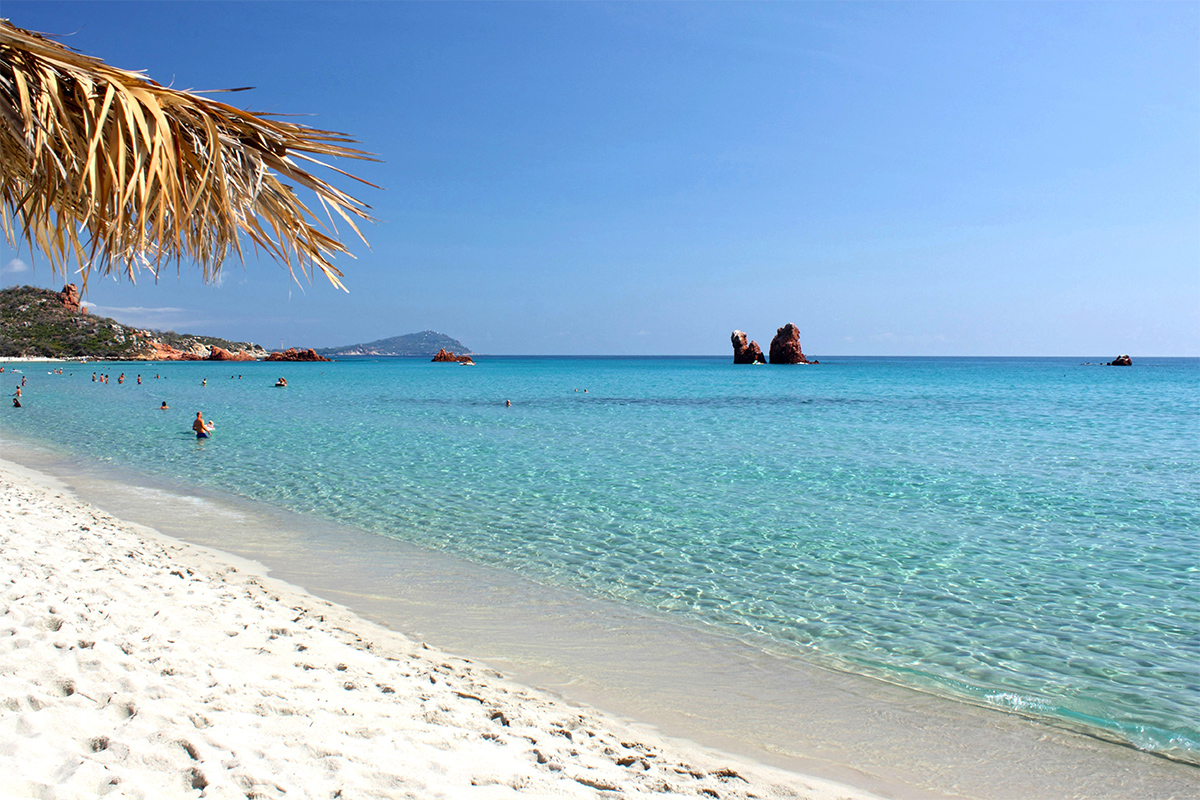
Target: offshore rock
(744,353)
(446,355)
(70,299)
(1121,361)
(292,354)
(785,347)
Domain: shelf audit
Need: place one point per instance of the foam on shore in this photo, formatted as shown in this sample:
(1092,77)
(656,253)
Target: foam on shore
(138,666)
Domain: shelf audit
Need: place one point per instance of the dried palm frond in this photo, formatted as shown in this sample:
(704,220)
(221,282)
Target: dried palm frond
(109,170)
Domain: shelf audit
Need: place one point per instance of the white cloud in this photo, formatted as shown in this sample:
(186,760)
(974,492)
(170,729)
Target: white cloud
(14,266)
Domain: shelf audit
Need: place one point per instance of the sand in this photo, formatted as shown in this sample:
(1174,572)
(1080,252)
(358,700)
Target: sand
(134,665)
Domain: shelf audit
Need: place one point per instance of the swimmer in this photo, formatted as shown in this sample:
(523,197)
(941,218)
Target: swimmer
(164,406)
(16,403)
(508,403)
(281,382)
(139,380)
(204,382)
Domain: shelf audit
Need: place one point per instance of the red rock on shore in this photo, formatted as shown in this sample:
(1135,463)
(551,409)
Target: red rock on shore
(293,354)
(164,352)
(221,354)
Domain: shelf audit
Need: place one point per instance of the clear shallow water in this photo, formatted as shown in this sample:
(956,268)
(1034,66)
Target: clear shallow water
(1018,533)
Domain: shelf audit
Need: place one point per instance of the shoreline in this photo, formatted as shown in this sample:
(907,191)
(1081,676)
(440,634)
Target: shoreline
(867,734)
(142,663)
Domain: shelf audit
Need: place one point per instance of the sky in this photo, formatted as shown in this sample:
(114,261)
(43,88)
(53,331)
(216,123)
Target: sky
(611,178)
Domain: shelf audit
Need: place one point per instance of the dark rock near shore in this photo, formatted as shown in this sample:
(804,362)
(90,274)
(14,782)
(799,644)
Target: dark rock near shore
(746,353)
(293,354)
(1121,361)
(445,355)
(785,347)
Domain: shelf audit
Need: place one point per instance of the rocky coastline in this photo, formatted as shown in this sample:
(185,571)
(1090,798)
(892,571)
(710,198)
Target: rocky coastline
(41,323)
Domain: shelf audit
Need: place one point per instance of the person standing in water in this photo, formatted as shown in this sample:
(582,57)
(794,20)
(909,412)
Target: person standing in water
(201,427)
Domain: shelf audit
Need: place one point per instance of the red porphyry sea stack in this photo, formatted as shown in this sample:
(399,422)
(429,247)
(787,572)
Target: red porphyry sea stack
(785,347)
(744,353)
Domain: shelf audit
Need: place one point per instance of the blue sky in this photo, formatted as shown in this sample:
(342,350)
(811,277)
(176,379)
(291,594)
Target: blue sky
(919,179)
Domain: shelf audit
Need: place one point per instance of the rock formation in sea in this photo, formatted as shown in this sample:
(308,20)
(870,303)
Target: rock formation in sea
(785,347)
(744,353)
(1121,361)
(293,354)
(445,355)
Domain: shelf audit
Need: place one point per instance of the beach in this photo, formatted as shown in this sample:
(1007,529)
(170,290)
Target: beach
(627,552)
(136,665)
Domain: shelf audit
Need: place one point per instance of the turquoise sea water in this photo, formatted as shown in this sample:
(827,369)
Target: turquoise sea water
(1016,533)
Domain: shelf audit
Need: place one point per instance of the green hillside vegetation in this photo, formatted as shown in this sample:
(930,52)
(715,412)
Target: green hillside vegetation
(34,323)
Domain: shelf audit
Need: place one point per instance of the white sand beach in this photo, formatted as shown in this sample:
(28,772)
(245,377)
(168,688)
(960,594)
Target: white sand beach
(134,665)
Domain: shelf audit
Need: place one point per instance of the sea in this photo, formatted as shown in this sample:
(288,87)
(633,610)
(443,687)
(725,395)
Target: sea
(1016,534)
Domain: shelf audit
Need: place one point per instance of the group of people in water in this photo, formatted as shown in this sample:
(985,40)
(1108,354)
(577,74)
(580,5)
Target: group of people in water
(102,378)
(200,426)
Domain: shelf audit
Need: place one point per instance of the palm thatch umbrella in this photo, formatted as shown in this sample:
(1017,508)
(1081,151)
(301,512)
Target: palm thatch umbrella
(106,170)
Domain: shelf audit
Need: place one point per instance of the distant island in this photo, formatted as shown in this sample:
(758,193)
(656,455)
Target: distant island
(425,343)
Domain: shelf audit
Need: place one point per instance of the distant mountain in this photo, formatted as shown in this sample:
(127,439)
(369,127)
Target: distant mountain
(425,343)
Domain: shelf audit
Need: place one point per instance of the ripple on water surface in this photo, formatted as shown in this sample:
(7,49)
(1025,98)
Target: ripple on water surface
(1019,534)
